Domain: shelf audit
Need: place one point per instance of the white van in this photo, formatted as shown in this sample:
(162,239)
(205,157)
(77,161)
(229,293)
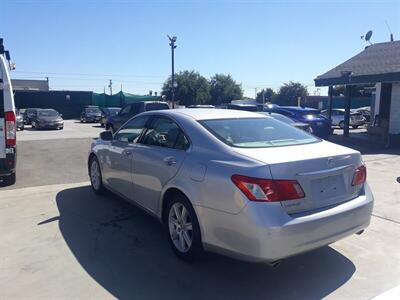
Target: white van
(8,141)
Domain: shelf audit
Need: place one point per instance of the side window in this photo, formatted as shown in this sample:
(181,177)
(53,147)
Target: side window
(135,108)
(131,131)
(165,133)
(125,110)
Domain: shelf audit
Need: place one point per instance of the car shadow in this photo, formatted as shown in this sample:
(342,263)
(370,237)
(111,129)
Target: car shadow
(127,253)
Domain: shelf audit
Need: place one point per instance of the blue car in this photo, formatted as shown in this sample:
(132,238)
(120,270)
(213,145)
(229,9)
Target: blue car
(320,125)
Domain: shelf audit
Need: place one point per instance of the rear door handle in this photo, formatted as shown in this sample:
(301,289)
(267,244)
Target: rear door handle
(170,161)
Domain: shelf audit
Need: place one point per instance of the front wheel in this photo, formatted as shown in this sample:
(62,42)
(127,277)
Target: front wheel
(341,124)
(182,228)
(95,176)
(355,126)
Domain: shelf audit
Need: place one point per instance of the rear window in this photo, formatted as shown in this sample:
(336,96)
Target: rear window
(257,133)
(156,106)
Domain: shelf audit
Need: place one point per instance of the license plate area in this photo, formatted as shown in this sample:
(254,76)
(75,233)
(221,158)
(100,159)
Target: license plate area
(328,187)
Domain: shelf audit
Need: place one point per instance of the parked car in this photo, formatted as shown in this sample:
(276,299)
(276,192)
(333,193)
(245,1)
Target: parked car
(107,112)
(47,119)
(19,118)
(303,126)
(245,107)
(337,116)
(30,114)
(8,134)
(320,125)
(234,182)
(132,109)
(91,114)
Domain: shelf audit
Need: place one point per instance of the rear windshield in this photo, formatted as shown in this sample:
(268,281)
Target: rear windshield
(47,113)
(282,118)
(257,133)
(156,106)
(93,110)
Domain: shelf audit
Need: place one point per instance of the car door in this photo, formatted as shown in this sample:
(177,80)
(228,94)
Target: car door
(156,160)
(117,158)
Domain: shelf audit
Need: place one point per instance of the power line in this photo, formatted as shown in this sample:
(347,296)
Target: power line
(91,74)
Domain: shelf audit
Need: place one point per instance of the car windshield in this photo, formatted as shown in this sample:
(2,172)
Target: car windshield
(92,110)
(257,132)
(47,113)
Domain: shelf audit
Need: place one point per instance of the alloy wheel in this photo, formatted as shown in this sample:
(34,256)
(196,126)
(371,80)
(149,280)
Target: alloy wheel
(95,175)
(180,227)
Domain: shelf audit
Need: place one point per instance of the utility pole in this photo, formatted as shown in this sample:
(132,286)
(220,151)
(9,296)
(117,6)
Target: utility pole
(110,86)
(173,46)
(263,96)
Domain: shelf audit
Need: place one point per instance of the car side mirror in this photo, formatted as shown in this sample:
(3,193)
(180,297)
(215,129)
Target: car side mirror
(106,136)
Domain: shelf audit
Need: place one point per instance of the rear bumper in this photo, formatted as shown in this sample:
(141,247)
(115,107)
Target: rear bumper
(8,164)
(263,232)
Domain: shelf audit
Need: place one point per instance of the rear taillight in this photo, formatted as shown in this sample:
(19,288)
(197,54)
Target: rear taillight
(268,190)
(360,175)
(11,130)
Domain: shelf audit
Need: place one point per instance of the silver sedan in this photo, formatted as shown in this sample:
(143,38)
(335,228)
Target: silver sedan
(234,182)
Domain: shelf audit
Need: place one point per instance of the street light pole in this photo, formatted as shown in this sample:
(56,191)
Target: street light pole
(173,46)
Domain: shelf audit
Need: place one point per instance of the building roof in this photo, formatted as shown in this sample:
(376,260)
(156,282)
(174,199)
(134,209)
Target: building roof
(376,63)
(29,85)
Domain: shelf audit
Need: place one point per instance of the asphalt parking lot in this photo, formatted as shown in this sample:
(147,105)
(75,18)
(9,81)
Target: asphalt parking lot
(60,240)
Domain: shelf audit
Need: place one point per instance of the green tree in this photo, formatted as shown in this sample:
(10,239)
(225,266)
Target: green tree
(269,95)
(191,88)
(289,93)
(224,89)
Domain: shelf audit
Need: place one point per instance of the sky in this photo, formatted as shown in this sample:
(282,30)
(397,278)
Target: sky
(81,44)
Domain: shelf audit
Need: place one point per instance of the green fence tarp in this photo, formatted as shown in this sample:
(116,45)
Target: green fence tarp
(120,99)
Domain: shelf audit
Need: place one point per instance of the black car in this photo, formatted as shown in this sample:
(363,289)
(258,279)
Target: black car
(48,119)
(107,112)
(29,115)
(91,114)
(132,109)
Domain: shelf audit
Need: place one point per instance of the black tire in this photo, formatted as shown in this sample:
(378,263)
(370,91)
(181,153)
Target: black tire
(97,188)
(355,126)
(9,180)
(195,248)
(341,125)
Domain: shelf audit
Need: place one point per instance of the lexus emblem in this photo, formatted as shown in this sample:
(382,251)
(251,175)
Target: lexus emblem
(330,162)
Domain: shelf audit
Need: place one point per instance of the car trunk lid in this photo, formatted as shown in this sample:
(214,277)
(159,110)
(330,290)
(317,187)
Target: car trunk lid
(324,171)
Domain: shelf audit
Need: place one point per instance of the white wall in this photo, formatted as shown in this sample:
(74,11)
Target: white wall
(394,123)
